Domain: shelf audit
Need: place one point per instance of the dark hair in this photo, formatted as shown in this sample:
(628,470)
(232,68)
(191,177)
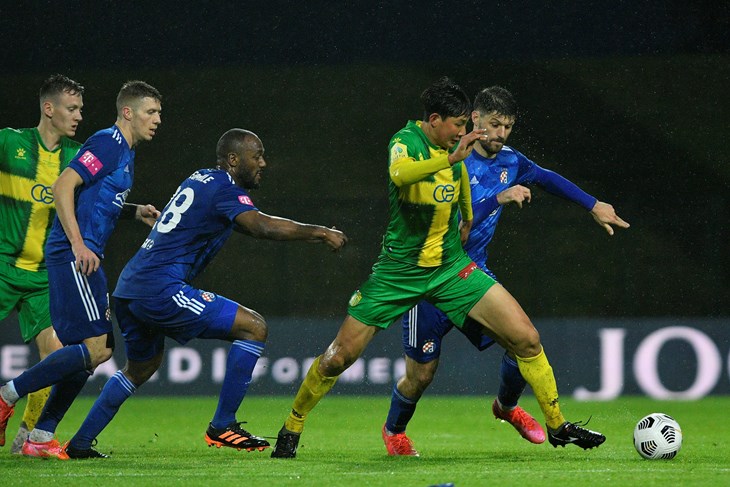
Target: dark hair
(57,84)
(231,141)
(136,90)
(445,98)
(496,99)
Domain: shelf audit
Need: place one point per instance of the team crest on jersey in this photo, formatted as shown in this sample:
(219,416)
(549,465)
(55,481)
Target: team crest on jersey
(429,346)
(503,176)
(245,200)
(355,298)
(208,296)
(20,153)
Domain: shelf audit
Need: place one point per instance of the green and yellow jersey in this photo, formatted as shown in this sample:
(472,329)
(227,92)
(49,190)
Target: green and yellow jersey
(425,196)
(27,171)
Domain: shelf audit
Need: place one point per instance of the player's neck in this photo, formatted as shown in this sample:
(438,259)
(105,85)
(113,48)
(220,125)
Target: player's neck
(126,132)
(482,152)
(51,139)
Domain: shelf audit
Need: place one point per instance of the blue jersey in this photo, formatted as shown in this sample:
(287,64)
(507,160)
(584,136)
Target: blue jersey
(106,165)
(191,230)
(488,177)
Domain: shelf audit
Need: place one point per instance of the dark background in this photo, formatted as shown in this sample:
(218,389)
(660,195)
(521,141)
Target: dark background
(627,99)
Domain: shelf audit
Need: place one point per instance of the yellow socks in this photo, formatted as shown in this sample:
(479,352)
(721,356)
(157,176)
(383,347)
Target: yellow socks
(538,373)
(34,407)
(314,388)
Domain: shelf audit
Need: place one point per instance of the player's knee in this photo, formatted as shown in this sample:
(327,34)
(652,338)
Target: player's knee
(527,343)
(334,363)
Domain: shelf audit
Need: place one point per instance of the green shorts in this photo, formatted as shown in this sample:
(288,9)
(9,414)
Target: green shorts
(27,293)
(395,287)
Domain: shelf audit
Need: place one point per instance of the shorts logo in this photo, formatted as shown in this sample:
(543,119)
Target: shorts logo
(444,193)
(91,162)
(207,296)
(466,271)
(503,176)
(245,200)
(108,314)
(42,194)
(355,299)
(429,346)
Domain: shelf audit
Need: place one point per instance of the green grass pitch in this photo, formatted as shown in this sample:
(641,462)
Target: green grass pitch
(159,441)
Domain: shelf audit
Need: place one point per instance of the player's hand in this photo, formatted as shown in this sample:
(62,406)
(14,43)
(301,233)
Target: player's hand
(464,230)
(515,194)
(87,262)
(147,213)
(334,238)
(466,144)
(605,215)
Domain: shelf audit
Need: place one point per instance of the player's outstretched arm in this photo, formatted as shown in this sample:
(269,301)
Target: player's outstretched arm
(261,225)
(605,215)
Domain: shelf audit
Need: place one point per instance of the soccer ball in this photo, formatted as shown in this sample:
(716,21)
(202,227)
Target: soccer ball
(658,436)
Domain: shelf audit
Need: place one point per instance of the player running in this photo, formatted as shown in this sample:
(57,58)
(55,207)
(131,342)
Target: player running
(496,175)
(90,196)
(154,297)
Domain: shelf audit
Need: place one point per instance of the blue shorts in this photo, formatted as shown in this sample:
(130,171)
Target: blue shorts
(79,304)
(425,326)
(189,313)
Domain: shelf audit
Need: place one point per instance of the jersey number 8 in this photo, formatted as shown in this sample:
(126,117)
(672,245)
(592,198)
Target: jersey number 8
(180,202)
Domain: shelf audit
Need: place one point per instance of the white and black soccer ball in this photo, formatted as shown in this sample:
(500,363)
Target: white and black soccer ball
(657,436)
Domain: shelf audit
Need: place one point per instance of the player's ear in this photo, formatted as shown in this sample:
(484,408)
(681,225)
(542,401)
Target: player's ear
(127,113)
(434,119)
(47,108)
(232,159)
(475,117)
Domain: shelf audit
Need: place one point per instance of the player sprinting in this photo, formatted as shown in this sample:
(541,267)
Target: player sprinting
(496,173)
(90,196)
(154,298)
(422,258)
(30,161)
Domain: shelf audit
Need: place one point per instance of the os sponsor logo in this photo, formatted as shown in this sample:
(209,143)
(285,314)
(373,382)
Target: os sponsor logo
(444,193)
(42,194)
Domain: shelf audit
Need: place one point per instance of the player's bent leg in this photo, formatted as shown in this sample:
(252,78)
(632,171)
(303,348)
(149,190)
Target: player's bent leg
(522,421)
(505,408)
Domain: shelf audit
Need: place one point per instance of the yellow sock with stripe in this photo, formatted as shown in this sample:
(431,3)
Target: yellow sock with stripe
(34,407)
(314,388)
(538,373)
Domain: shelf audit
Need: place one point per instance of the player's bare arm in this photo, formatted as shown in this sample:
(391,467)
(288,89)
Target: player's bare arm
(516,194)
(87,262)
(261,225)
(466,144)
(605,215)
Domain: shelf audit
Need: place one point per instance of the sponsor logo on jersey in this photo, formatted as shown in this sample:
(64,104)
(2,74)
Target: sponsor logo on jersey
(503,176)
(120,198)
(208,296)
(20,153)
(429,346)
(91,162)
(245,200)
(444,193)
(355,298)
(42,194)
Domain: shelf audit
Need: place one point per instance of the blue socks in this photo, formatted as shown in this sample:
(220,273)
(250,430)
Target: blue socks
(401,411)
(62,396)
(56,367)
(511,384)
(116,390)
(242,358)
